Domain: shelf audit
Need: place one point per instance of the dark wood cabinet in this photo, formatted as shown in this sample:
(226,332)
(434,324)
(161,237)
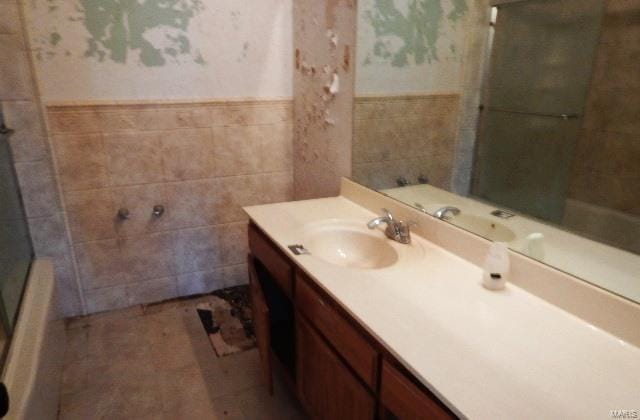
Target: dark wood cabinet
(260,313)
(344,338)
(276,263)
(336,368)
(326,387)
(400,398)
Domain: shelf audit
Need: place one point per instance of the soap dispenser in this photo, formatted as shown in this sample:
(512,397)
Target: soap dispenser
(496,267)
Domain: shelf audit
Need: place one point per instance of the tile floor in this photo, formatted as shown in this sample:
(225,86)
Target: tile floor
(157,363)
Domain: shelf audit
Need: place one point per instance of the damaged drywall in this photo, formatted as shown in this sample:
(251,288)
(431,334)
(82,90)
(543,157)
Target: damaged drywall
(408,31)
(324,34)
(152,31)
(149,49)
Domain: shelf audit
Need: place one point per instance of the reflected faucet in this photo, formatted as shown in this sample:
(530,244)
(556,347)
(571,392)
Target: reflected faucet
(397,230)
(444,211)
(402,181)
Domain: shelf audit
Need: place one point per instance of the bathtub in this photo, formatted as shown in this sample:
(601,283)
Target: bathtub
(33,369)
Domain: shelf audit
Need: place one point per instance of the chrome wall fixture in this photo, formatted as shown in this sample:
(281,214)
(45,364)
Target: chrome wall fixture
(158,210)
(123,213)
(402,181)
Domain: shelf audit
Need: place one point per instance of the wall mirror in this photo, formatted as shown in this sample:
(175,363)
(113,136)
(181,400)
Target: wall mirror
(516,120)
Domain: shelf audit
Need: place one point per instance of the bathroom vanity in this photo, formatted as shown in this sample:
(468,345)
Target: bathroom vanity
(338,370)
(407,331)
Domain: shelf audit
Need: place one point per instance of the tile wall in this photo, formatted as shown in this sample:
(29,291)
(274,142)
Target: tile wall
(605,168)
(31,153)
(405,136)
(201,161)
(604,182)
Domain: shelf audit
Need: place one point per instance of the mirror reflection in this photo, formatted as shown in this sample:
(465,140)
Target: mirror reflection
(516,120)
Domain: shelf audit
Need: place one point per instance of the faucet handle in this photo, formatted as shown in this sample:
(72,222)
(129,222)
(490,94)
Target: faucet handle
(388,214)
(401,231)
(405,226)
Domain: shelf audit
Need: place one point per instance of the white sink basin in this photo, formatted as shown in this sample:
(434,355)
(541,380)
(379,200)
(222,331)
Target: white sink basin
(349,244)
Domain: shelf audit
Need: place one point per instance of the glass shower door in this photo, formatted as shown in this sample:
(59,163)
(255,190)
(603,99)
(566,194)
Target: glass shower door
(16,251)
(541,62)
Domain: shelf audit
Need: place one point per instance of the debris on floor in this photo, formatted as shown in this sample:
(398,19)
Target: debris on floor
(226,317)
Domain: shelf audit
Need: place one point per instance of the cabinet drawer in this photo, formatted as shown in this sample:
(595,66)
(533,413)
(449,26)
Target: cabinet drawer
(402,398)
(348,342)
(271,258)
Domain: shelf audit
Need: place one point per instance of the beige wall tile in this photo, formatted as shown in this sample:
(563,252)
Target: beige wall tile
(48,236)
(201,116)
(139,200)
(82,163)
(191,203)
(196,250)
(38,188)
(122,120)
(67,293)
(188,154)
(234,245)
(135,163)
(200,282)
(277,148)
(101,264)
(75,122)
(604,170)
(169,118)
(405,136)
(235,275)
(252,149)
(104,299)
(91,214)
(235,193)
(277,187)
(9,17)
(154,290)
(242,114)
(115,118)
(134,157)
(147,256)
(237,150)
(367,109)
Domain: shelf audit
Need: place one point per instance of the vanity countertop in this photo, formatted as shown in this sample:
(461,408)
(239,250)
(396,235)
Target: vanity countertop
(506,354)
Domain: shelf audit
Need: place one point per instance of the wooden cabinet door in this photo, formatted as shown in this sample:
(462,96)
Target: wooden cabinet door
(261,323)
(402,399)
(326,387)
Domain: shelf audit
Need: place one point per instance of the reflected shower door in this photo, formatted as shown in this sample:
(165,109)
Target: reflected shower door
(541,63)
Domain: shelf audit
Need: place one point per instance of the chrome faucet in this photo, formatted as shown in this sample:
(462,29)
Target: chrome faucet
(397,230)
(444,211)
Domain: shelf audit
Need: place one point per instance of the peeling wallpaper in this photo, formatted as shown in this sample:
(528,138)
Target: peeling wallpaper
(407,46)
(117,30)
(323,80)
(170,49)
